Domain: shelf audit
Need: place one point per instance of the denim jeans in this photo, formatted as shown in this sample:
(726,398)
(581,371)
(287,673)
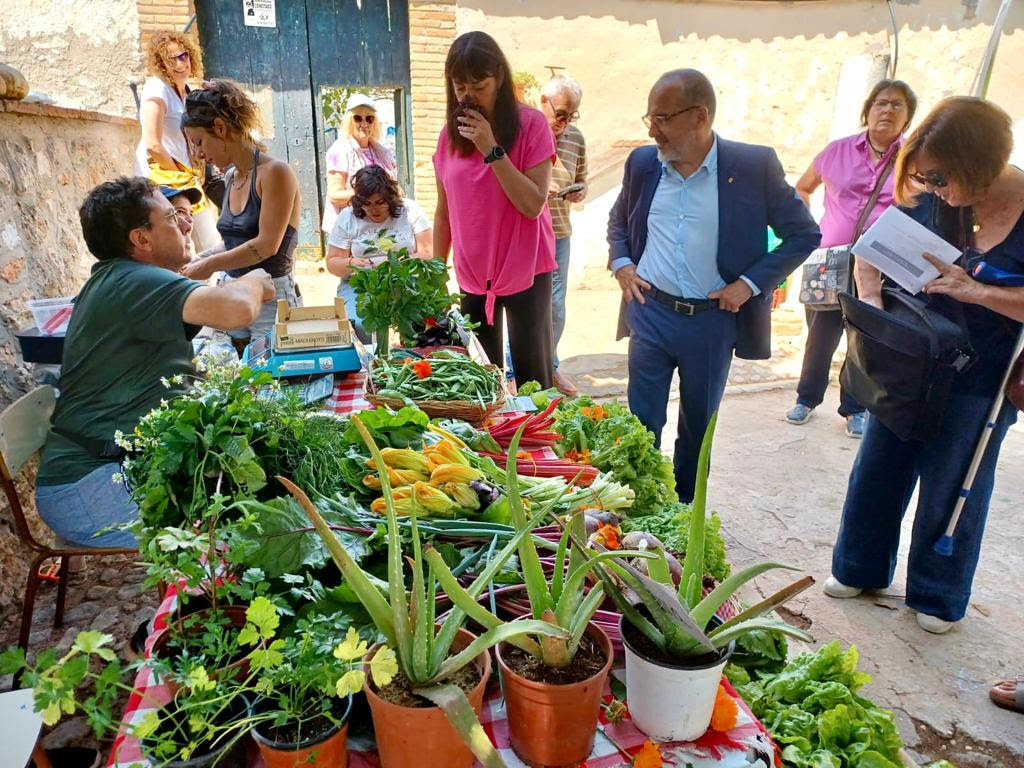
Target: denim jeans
(348,293)
(559,286)
(881,484)
(824,330)
(286,289)
(76,511)
(700,346)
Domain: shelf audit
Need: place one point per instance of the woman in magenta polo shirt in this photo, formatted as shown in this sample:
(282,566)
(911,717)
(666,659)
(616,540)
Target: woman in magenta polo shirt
(849,168)
(493,166)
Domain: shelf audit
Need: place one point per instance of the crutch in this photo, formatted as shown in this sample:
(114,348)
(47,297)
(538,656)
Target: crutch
(992,276)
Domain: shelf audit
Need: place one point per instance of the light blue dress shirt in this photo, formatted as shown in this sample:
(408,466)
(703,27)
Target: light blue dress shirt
(681,255)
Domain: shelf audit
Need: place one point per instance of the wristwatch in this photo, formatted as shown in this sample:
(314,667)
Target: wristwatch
(496,154)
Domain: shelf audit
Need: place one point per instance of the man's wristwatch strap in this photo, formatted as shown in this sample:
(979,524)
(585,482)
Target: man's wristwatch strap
(495,154)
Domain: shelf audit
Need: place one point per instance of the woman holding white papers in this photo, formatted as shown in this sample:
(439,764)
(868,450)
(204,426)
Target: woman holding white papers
(953,176)
(850,168)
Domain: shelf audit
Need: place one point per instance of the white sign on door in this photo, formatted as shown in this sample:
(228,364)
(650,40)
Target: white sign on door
(259,13)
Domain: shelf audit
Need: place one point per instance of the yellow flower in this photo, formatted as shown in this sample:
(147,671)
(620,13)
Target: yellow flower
(350,682)
(351,648)
(383,666)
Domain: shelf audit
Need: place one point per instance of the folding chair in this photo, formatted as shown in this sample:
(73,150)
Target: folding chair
(23,428)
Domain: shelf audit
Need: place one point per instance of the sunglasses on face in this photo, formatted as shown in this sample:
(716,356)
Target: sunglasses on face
(181,58)
(933,179)
(561,116)
(368,118)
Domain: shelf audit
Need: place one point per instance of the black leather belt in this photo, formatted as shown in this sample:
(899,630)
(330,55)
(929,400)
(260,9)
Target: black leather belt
(682,306)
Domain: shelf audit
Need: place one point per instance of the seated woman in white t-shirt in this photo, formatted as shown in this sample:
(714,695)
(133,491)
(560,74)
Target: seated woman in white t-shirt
(377,210)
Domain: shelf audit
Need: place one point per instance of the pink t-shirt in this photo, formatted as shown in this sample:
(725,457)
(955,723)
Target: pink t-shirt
(497,250)
(849,169)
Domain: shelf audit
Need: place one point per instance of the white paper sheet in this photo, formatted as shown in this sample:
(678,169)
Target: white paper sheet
(894,245)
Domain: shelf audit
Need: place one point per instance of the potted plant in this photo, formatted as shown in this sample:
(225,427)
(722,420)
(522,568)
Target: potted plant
(429,715)
(305,684)
(524,82)
(553,695)
(673,660)
(401,292)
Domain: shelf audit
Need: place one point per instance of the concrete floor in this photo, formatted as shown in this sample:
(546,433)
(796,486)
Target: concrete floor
(779,490)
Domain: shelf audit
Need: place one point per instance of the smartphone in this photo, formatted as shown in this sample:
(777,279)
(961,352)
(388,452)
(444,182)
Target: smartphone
(569,190)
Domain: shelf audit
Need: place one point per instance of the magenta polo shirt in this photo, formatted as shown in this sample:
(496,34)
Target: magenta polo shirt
(849,170)
(497,251)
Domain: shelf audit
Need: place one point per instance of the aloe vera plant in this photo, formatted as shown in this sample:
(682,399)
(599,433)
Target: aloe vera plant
(564,601)
(678,615)
(409,622)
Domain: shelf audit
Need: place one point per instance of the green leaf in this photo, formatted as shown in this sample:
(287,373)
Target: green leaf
(693,563)
(491,638)
(452,700)
(705,609)
(263,614)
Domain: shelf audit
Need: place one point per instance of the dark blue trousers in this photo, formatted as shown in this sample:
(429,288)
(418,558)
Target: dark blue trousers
(824,330)
(700,347)
(881,484)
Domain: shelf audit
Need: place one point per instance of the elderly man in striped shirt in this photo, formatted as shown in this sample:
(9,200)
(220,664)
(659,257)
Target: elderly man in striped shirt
(560,102)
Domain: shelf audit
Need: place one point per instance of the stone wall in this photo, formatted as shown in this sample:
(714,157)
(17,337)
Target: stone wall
(50,157)
(82,55)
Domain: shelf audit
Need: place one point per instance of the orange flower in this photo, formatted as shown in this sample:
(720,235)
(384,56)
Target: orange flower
(608,535)
(726,711)
(595,412)
(649,756)
(422,368)
(582,457)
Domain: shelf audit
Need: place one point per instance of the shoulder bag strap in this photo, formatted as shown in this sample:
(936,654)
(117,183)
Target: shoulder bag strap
(862,219)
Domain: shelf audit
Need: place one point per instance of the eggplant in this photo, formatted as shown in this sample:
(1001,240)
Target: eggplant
(487,494)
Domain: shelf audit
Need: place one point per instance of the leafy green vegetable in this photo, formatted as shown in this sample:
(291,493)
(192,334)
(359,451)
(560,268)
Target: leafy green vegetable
(671,524)
(812,709)
(397,430)
(621,446)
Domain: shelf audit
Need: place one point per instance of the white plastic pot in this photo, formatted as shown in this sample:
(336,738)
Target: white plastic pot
(671,702)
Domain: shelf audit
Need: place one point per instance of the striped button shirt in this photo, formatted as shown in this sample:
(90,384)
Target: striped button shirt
(569,168)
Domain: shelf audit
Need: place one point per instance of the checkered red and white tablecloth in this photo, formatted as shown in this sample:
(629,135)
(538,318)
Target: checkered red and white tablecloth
(744,746)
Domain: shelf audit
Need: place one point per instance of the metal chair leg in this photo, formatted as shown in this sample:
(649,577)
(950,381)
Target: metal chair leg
(62,590)
(30,602)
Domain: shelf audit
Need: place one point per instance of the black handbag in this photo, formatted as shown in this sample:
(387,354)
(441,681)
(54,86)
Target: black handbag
(901,362)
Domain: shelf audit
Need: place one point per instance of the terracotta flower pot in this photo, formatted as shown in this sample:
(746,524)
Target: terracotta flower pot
(236,670)
(413,737)
(329,750)
(550,724)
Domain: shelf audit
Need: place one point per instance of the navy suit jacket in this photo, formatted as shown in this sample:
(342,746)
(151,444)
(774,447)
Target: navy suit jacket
(752,195)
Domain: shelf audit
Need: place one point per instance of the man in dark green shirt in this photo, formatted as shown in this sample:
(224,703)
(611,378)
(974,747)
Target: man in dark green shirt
(131,330)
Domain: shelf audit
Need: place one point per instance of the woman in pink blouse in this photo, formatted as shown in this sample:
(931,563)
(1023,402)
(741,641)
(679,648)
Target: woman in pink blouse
(493,166)
(849,168)
(357,147)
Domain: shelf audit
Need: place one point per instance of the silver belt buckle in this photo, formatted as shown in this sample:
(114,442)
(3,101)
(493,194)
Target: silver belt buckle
(685,308)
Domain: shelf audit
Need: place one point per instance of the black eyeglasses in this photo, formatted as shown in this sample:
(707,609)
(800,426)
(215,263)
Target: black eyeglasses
(933,179)
(561,116)
(368,118)
(660,120)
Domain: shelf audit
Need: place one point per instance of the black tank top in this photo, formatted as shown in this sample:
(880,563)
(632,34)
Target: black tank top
(236,229)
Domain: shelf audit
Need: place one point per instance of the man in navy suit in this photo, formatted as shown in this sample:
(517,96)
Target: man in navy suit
(688,245)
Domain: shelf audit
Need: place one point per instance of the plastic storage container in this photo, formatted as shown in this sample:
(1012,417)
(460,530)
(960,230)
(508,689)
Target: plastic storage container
(51,315)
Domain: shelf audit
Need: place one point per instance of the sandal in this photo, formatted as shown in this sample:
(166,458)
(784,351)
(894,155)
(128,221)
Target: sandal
(1009,694)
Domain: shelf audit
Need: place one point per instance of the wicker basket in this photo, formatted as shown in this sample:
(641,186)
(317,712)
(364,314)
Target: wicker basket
(466,410)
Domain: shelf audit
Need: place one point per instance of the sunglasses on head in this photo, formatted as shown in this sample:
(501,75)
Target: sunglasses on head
(933,179)
(368,118)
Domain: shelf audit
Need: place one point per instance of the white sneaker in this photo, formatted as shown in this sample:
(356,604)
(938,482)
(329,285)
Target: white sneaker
(835,588)
(934,624)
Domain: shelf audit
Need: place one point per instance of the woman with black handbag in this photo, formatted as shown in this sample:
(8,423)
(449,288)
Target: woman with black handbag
(856,172)
(952,175)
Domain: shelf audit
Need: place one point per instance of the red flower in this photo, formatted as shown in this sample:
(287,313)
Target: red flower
(422,368)
(430,322)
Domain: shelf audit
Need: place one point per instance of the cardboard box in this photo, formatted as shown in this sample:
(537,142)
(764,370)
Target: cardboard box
(311,327)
